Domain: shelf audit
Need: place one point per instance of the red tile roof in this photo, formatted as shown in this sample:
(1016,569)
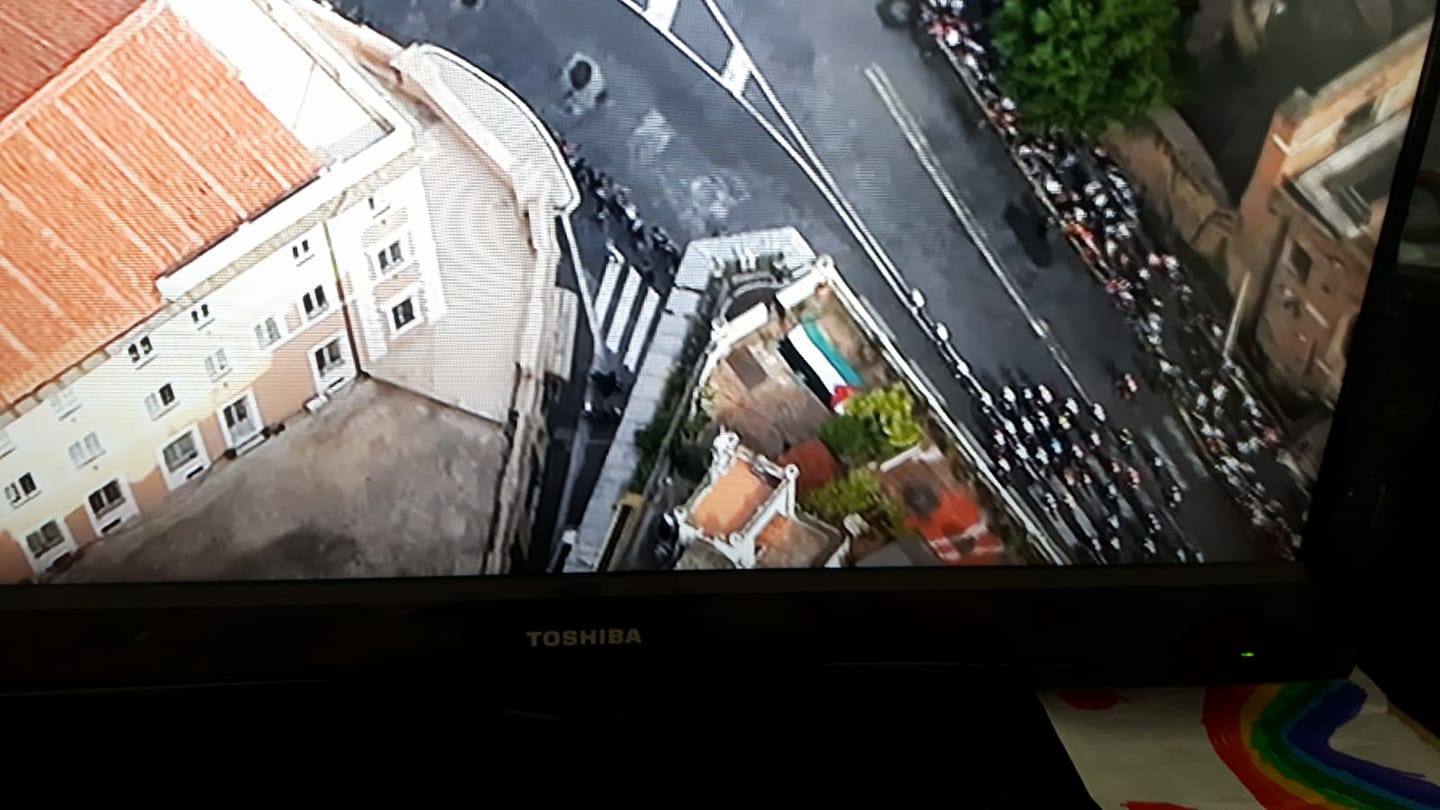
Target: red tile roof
(816,463)
(956,514)
(142,150)
(40,37)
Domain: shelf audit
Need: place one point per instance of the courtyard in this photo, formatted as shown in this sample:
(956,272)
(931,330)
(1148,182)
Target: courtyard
(379,483)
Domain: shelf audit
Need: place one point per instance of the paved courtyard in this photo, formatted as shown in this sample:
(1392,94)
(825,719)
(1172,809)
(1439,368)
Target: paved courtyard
(381,483)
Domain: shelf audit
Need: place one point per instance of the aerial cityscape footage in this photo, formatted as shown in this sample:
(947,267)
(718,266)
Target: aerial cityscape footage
(381,288)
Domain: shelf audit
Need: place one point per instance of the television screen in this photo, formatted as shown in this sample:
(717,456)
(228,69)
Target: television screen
(294,290)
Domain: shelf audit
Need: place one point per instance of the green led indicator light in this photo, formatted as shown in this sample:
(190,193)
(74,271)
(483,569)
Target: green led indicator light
(1247,655)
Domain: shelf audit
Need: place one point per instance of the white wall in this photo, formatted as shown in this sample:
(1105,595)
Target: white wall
(403,203)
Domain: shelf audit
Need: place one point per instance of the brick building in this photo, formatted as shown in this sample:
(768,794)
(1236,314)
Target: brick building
(215,213)
(1308,219)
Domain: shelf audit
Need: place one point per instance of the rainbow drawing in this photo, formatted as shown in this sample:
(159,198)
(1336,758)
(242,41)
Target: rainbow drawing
(1276,739)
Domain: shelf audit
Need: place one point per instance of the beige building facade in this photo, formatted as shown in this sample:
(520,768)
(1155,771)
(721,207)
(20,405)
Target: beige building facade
(363,269)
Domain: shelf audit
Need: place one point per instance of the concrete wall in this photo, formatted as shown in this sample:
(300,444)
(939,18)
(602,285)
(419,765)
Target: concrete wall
(1175,173)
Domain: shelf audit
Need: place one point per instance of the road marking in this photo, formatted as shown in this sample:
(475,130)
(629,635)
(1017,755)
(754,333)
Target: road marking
(623,310)
(920,145)
(582,281)
(614,269)
(1160,450)
(650,138)
(738,68)
(642,329)
(661,13)
(1173,427)
(803,155)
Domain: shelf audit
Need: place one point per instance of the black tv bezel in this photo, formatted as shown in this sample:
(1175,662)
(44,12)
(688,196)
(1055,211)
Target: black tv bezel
(1054,626)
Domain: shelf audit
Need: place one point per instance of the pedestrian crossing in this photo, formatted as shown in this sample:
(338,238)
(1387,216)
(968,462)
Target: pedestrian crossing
(661,13)
(1172,426)
(704,34)
(642,329)
(614,271)
(627,307)
(1178,446)
(618,325)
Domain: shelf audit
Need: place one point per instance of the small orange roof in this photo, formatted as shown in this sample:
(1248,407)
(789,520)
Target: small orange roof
(775,533)
(731,501)
(816,463)
(956,514)
(788,543)
(127,147)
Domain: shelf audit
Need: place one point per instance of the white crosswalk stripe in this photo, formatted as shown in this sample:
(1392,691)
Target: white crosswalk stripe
(1178,433)
(628,294)
(1158,447)
(738,68)
(614,269)
(642,329)
(661,13)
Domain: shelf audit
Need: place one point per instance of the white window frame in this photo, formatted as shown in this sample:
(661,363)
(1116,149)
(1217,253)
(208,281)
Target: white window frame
(65,402)
(300,250)
(201,316)
(320,384)
(89,453)
(280,330)
(142,355)
(42,563)
(412,294)
(379,202)
(401,239)
(25,497)
(217,371)
(178,478)
(128,510)
(253,405)
(7,444)
(163,408)
(325,292)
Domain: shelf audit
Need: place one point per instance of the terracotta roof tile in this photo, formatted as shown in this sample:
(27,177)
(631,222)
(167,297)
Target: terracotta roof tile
(130,162)
(732,500)
(38,38)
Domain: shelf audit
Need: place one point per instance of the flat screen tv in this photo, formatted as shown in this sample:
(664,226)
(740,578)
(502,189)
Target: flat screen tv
(1042,336)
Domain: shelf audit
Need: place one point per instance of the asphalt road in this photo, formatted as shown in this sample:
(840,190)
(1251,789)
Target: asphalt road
(816,64)
(700,165)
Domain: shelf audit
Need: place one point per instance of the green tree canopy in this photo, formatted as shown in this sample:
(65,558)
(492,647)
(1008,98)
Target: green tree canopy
(853,439)
(856,494)
(1080,66)
(891,412)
